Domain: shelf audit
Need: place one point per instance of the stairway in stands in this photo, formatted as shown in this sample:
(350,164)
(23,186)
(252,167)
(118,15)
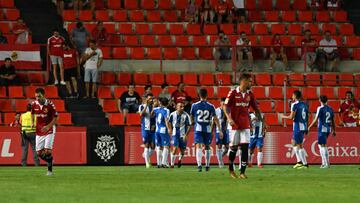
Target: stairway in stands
(353,9)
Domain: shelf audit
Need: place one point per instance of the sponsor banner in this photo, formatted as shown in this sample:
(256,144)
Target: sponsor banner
(69,146)
(23,56)
(105,146)
(343,149)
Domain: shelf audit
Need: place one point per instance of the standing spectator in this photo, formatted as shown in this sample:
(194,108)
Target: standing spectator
(191,12)
(278,52)
(129,101)
(93,59)
(238,10)
(187,104)
(348,110)
(21,31)
(244,50)
(99,33)
(80,36)
(308,51)
(222,49)
(179,95)
(329,53)
(165,92)
(16,121)
(206,12)
(8,74)
(71,70)
(148,90)
(28,136)
(3,39)
(55,48)
(223,12)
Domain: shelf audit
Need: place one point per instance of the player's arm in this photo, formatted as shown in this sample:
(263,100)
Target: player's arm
(333,126)
(291,116)
(229,102)
(142,109)
(313,122)
(169,127)
(340,116)
(218,124)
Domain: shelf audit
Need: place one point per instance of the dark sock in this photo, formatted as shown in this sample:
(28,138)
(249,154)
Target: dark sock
(244,157)
(49,160)
(232,156)
(43,156)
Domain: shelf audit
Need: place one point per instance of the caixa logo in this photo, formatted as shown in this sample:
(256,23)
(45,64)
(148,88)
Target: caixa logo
(337,150)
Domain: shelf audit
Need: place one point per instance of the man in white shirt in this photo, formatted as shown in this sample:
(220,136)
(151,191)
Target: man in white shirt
(93,59)
(328,51)
(244,49)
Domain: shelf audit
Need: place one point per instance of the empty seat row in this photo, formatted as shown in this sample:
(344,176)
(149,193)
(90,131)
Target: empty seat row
(7,4)
(64,118)
(27,92)
(148,4)
(9,14)
(19,105)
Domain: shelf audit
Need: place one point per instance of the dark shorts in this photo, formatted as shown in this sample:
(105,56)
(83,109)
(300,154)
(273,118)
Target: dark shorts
(223,18)
(69,73)
(332,56)
(133,108)
(239,12)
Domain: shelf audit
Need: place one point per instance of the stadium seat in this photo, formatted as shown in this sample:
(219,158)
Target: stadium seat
(51,92)
(278,29)
(299,5)
(6,106)
(314,28)
(171,53)
(329,79)
(64,119)
(188,53)
(165,4)
(313,105)
(157,78)
(210,92)
(173,78)
(7,4)
(104,92)
(329,27)
(165,40)
(357,92)
(222,91)
(261,29)
(227,28)
(192,91)
(265,5)
(193,29)
(190,78)
(59,105)
(290,91)
(148,4)
(176,29)
(279,106)
(276,92)
(328,91)
(141,79)
(116,118)
(346,29)
(313,79)
(136,16)
(346,79)
(8,117)
(286,40)
(335,105)
(266,106)
(120,16)
(16,92)
(244,27)
(250,5)
(272,16)
(323,16)
(282,5)
(206,53)
(341,91)
(181,4)
(110,105)
(296,79)
(170,16)
(182,40)
(259,92)
(85,15)
(119,90)
(148,40)
(110,27)
(131,4)
(310,92)
(90,26)
(288,16)
(21,105)
(124,78)
(210,29)
(340,16)
(107,78)
(305,16)
(137,53)
(69,15)
(125,28)
(120,53)
(294,29)
(102,15)
(263,79)
(30,91)
(153,16)
(206,79)
(3,92)
(199,40)
(272,119)
(255,16)
(133,119)
(106,52)
(159,29)
(5,27)
(357,79)
(142,28)
(223,79)
(12,14)
(356,54)
(278,79)
(114,4)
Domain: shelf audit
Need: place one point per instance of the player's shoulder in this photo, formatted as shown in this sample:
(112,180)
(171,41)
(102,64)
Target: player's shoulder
(210,104)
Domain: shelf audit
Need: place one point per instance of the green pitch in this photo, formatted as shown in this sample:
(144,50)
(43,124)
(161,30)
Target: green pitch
(273,184)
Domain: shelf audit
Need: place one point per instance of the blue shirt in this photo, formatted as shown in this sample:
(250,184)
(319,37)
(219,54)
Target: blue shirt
(203,113)
(301,115)
(257,127)
(222,119)
(146,120)
(179,123)
(161,115)
(325,114)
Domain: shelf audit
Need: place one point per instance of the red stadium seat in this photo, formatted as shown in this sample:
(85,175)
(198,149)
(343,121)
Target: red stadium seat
(272,119)
(263,79)
(6,106)
(114,4)
(294,29)
(250,4)
(199,40)
(255,16)
(261,29)
(244,27)
(182,40)
(153,16)
(21,105)
(137,53)
(157,78)
(116,118)
(278,79)
(148,40)
(181,4)
(69,15)
(329,27)
(313,79)
(141,79)
(259,92)
(323,16)
(356,54)
(357,92)
(170,16)
(346,29)
(279,106)
(313,105)
(340,16)
(188,53)
(299,5)
(142,28)
(85,15)
(30,91)
(119,90)
(176,29)
(223,79)
(110,105)
(12,14)
(341,91)
(165,40)
(125,28)
(210,29)
(346,79)
(119,53)
(107,78)
(329,79)
(206,53)
(16,92)
(64,119)
(278,29)
(159,29)
(328,91)
(120,16)
(265,5)
(7,4)
(334,104)
(276,92)
(314,28)
(51,92)
(222,91)
(133,119)
(136,16)
(148,4)
(282,5)
(193,29)
(173,78)
(210,92)
(165,4)
(357,79)
(190,78)
(59,105)
(104,92)
(8,117)
(265,106)
(310,92)
(191,91)
(288,16)
(290,91)
(305,16)
(296,79)
(3,92)
(110,27)
(272,16)
(131,4)
(227,28)
(124,78)
(171,53)
(102,15)
(286,40)
(206,79)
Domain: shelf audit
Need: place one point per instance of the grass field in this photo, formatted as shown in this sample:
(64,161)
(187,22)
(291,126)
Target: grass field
(136,184)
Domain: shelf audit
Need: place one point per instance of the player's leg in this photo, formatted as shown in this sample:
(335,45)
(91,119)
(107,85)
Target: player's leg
(175,142)
(296,151)
(207,156)
(260,144)
(234,136)
(225,142)
(87,76)
(49,141)
(251,150)
(152,145)
(218,149)
(61,67)
(199,141)
(166,144)
(158,149)
(182,147)
(323,150)
(54,64)
(299,138)
(244,146)
(94,77)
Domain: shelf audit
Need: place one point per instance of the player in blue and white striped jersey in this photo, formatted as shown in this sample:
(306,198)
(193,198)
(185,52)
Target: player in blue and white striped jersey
(179,128)
(222,143)
(326,124)
(257,139)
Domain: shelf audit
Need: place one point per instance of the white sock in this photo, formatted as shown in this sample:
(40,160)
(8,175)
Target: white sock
(251,156)
(146,155)
(259,158)
(151,152)
(165,156)
(158,156)
(303,156)
(326,153)
(172,157)
(219,156)
(199,156)
(207,157)
(321,149)
(297,154)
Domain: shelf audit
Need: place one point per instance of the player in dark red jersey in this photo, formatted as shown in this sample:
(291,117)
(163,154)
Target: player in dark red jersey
(236,110)
(46,118)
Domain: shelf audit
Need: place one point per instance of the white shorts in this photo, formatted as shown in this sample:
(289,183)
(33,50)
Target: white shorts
(239,137)
(350,125)
(45,142)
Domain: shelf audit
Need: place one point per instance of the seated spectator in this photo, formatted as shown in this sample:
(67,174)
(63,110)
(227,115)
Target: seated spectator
(223,12)
(16,121)
(99,33)
(179,95)
(308,50)
(206,12)
(21,31)
(71,71)
(8,74)
(333,4)
(80,36)
(317,4)
(326,54)
(191,12)
(165,92)
(129,101)
(278,52)
(348,111)
(148,90)
(244,50)
(222,49)
(238,11)
(3,39)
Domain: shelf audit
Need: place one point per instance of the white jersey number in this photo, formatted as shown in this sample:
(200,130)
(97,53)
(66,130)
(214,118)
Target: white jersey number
(203,116)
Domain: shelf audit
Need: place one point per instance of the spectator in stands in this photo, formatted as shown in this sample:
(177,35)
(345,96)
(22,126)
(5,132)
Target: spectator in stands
(148,90)
(129,101)
(348,111)
(308,51)
(55,48)
(222,10)
(165,92)
(238,11)
(3,39)
(244,50)
(187,104)
(71,71)
(80,37)
(93,59)
(333,4)
(330,53)
(206,12)
(99,33)
(278,52)
(16,121)
(8,74)
(179,95)
(21,31)
(60,4)
(222,49)
(191,12)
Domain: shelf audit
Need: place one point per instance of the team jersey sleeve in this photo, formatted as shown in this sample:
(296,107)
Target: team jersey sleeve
(171,117)
(167,114)
(212,111)
(293,107)
(192,111)
(230,98)
(253,102)
(53,110)
(141,108)
(187,120)
(318,112)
